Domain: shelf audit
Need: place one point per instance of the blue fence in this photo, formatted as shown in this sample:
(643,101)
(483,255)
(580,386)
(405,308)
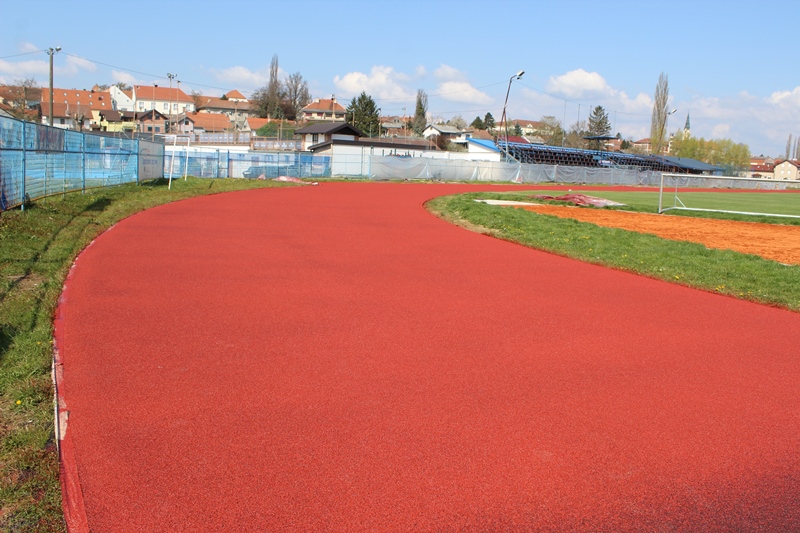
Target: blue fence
(38,161)
(228,164)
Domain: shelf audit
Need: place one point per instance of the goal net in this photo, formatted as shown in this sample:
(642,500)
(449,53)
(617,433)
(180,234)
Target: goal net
(686,192)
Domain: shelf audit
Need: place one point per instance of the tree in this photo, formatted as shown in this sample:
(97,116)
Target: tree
(20,93)
(658,122)
(362,113)
(197,98)
(517,129)
(733,157)
(599,125)
(122,86)
(478,124)
(576,134)
(270,129)
(457,122)
(788,146)
(421,112)
(489,122)
(273,88)
(552,132)
(295,88)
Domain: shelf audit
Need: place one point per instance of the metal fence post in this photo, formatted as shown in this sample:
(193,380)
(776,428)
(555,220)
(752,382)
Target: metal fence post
(83,153)
(24,163)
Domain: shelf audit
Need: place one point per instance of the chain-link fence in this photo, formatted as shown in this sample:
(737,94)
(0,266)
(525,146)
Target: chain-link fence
(38,161)
(206,163)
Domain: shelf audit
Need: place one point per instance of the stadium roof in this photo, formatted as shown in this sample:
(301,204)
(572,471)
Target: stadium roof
(690,164)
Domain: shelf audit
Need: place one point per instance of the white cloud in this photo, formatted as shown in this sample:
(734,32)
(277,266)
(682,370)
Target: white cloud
(421,71)
(381,83)
(23,69)
(243,78)
(28,47)
(461,91)
(448,73)
(74,65)
(579,84)
(123,77)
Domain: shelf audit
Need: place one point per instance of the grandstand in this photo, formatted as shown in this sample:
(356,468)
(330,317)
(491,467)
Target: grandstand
(539,154)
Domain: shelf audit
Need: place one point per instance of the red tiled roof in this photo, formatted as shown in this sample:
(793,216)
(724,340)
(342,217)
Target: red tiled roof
(210,121)
(235,94)
(324,105)
(76,101)
(162,94)
(257,123)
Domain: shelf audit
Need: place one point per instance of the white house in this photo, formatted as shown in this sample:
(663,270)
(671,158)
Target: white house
(786,170)
(122,100)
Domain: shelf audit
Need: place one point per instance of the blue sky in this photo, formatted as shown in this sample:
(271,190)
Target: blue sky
(727,62)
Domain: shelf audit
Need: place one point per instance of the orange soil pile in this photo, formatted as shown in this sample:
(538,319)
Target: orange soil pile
(775,242)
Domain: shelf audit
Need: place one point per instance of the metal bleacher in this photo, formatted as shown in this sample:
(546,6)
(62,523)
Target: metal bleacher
(555,155)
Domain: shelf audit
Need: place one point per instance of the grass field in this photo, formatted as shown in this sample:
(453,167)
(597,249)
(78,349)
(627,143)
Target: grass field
(37,247)
(739,275)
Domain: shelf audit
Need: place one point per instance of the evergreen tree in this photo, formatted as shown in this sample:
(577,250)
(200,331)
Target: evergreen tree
(478,124)
(598,125)
(489,122)
(517,129)
(362,113)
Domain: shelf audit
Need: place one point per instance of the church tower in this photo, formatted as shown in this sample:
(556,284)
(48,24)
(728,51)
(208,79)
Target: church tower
(687,129)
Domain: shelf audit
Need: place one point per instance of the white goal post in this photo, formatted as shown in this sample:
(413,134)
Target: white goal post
(676,181)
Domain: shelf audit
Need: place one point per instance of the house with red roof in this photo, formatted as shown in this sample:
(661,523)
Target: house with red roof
(167,101)
(72,108)
(203,123)
(322,109)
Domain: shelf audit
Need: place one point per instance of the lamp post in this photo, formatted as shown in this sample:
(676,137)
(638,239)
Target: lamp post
(169,100)
(51,52)
(517,76)
(666,128)
(153,115)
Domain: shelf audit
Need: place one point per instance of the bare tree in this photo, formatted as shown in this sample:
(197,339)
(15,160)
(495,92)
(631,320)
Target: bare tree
(297,96)
(658,124)
(19,94)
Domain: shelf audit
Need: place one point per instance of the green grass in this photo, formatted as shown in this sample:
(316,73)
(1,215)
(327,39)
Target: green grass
(739,275)
(784,203)
(37,248)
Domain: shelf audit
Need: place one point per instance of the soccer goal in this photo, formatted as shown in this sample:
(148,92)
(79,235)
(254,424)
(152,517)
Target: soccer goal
(679,188)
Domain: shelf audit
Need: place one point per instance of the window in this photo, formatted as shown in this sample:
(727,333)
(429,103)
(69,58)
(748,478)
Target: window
(166,106)
(315,138)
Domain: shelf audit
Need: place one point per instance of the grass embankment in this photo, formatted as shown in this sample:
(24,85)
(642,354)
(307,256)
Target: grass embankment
(740,275)
(37,248)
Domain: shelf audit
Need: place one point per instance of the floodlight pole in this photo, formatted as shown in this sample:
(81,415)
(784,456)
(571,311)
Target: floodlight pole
(518,75)
(51,52)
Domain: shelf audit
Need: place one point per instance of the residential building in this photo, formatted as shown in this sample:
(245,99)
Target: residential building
(237,109)
(112,120)
(75,106)
(316,134)
(203,123)
(450,133)
(167,101)
(322,109)
(762,167)
(786,169)
(121,100)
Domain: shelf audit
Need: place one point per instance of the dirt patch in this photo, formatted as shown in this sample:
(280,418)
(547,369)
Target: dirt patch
(770,241)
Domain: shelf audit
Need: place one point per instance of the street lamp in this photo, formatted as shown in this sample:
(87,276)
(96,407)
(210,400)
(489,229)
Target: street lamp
(169,100)
(666,128)
(153,115)
(50,52)
(517,76)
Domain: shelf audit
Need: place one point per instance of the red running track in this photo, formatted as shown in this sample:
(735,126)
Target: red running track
(334,358)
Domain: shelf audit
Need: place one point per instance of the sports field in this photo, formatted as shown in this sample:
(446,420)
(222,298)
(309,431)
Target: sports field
(335,358)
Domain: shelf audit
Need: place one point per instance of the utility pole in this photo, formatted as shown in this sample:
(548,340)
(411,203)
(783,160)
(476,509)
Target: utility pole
(169,101)
(50,52)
